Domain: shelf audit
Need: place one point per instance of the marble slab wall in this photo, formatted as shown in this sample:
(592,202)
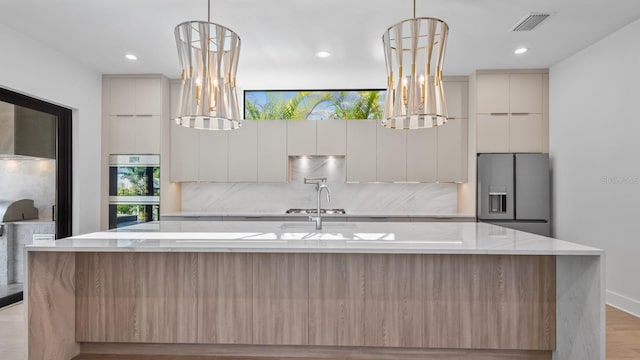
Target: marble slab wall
(355,198)
(30,179)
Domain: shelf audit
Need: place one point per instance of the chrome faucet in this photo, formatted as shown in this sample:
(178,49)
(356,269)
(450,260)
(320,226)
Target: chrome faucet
(320,185)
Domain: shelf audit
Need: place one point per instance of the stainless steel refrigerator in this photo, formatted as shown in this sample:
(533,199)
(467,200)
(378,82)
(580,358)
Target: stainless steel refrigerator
(513,191)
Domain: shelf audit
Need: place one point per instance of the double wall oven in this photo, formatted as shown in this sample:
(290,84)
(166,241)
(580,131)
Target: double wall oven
(134,189)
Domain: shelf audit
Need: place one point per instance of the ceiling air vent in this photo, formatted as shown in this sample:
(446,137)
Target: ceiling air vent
(530,21)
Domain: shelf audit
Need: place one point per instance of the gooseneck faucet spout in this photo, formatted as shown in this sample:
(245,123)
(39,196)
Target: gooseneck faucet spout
(318,218)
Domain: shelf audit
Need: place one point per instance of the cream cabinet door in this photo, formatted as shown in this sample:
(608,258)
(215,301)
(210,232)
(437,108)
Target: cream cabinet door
(361,150)
(272,150)
(147,134)
(493,133)
(122,96)
(457,97)
(122,132)
(526,133)
(493,93)
(332,137)
(243,153)
(301,137)
(525,93)
(452,151)
(422,154)
(148,97)
(391,155)
(184,153)
(212,156)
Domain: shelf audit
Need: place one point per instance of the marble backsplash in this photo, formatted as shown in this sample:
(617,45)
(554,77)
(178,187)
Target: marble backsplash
(355,198)
(30,179)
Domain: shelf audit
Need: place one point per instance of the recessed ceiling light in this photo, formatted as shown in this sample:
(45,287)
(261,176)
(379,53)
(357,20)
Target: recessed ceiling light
(131,57)
(521,50)
(323,54)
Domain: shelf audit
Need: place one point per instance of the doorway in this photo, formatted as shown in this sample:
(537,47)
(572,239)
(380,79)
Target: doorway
(36,169)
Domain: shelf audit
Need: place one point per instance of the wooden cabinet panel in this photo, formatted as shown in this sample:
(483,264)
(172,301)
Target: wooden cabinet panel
(391,158)
(526,133)
(272,151)
(301,137)
(361,150)
(184,144)
(422,154)
(131,297)
(336,299)
(148,97)
(122,96)
(224,301)
(332,137)
(452,151)
(51,318)
(147,132)
(122,135)
(457,97)
(211,158)
(492,93)
(243,153)
(280,299)
(489,302)
(493,133)
(393,300)
(525,93)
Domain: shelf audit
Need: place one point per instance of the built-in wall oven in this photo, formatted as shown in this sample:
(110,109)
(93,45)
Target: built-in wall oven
(134,189)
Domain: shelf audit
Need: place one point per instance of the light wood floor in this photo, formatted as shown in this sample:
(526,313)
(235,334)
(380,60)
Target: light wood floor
(623,336)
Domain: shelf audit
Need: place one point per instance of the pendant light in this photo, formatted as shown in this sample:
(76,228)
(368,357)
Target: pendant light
(208,55)
(414,53)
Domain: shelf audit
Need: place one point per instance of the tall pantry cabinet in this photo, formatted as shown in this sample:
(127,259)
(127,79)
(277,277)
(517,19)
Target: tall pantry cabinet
(136,120)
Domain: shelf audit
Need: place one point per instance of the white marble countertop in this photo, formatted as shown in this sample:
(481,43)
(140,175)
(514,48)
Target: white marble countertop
(348,214)
(301,237)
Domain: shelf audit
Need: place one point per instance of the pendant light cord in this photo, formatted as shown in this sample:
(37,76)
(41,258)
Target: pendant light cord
(414,9)
(209,10)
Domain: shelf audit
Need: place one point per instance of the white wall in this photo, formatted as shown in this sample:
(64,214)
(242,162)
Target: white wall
(595,150)
(29,67)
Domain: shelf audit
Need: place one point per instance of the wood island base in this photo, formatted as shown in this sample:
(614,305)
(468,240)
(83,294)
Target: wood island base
(291,305)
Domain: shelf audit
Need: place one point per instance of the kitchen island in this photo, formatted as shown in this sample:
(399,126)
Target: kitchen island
(352,290)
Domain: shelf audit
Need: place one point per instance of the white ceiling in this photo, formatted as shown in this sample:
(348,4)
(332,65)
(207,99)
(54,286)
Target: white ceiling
(280,37)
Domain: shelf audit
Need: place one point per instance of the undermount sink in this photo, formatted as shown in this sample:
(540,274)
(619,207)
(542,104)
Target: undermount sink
(314,211)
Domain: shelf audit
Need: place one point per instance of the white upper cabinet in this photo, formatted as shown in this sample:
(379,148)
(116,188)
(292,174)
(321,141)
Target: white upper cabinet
(184,150)
(135,109)
(361,150)
(525,93)
(493,133)
(457,97)
(526,133)
(212,155)
(148,96)
(452,151)
(122,96)
(331,137)
(391,154)
(243,153)
(135,96)
(272,150)
(301,137)
(512,112)
(422,154)
(493,93)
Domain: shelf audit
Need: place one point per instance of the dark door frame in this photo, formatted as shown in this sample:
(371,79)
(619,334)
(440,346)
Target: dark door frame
(63,213)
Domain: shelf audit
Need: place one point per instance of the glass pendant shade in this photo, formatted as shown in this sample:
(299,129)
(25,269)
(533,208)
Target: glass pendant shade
(414,53)
(208,56)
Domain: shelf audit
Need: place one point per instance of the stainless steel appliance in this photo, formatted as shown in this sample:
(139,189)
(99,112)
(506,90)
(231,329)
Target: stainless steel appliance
(134,189)
(513,191)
